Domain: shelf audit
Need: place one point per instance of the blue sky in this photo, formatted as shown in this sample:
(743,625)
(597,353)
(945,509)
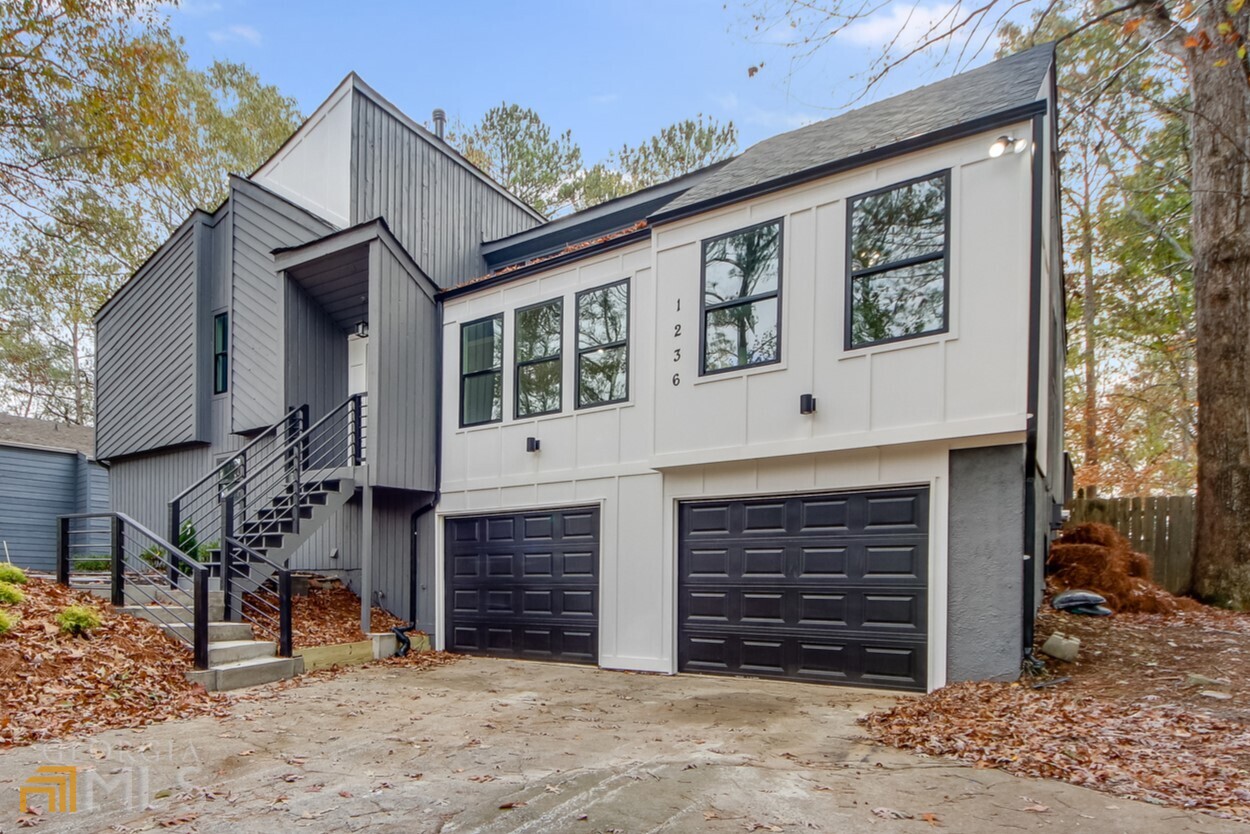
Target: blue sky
(612,72)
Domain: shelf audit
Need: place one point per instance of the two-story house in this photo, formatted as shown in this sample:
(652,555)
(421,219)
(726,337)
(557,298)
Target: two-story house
(793,415)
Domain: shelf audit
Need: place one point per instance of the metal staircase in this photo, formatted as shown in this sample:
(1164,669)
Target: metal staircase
(222,574)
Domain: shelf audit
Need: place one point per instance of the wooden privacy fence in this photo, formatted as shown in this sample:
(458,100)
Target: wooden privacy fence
(1162,528)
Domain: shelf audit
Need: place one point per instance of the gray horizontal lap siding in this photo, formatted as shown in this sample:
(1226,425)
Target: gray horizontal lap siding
(38,485)
(261,223)
(146,374)
(439,211)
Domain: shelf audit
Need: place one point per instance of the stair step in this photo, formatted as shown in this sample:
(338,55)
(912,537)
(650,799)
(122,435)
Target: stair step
(218,632)
(234,651)
(170,614)
(247,673)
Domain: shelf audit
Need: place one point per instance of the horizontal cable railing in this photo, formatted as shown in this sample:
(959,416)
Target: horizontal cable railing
(143,569)
(194,515)
(269,501)
(269,615)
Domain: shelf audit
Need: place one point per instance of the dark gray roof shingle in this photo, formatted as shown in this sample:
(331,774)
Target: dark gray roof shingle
(26,431)
(995,88)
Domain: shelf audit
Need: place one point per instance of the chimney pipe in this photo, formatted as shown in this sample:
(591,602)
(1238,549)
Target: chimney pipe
(440,121)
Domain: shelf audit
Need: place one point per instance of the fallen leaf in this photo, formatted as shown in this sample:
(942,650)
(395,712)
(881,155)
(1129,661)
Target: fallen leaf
(507,806)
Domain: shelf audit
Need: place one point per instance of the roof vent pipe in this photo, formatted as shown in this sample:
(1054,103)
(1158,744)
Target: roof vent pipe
(440,121)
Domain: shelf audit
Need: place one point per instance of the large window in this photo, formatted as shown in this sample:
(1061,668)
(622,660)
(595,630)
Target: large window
(898,244)
(221,353)
(538,363)
(481,371)
(603,345)
(741,299)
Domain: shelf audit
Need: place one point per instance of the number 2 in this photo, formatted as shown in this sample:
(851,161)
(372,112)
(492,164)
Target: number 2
(676,330)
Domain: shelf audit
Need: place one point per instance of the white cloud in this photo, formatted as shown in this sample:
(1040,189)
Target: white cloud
(910,23)
(605,98)
(236,33)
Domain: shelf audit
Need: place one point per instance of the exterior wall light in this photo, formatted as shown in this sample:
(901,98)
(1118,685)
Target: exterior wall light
(532,444)
(807,404)
(362,329)
(1007,143)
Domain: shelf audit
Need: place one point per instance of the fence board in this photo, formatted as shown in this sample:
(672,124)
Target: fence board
(1160,527)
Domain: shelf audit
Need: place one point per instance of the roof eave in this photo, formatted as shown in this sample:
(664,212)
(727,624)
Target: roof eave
(549,263)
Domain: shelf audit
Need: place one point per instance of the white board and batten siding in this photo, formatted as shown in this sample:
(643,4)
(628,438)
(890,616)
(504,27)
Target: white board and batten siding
(886,415)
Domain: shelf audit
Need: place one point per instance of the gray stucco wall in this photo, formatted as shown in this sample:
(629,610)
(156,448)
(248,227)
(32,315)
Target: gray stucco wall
(985,548)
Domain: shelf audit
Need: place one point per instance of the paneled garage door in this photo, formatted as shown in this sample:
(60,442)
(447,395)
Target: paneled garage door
(525,585)
(825,588)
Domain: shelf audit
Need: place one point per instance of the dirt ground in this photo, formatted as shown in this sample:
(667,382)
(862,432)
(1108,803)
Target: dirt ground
(504,746)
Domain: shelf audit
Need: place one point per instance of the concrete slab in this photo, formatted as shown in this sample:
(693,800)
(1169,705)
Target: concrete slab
(565,749)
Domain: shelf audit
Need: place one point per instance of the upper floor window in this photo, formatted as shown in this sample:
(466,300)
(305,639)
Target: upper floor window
(221,353)
(898,247)
(539,338)
(741,299)
(603,345)
(481,371)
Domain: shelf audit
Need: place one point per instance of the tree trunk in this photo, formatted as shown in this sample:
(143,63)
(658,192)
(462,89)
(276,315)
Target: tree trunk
(1221,241)
(1089,312)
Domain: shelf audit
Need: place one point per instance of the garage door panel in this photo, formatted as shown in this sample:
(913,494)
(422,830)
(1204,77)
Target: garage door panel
(825,587)
(525,585)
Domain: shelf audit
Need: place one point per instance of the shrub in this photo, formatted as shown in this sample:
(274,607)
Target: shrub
(11,594)
(93,563)
(78,620)
(7,622)
(12,574)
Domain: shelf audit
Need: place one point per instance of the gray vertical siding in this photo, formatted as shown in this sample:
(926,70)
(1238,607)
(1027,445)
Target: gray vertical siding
(38,485)
(146,357)
(403,377)
(141,486)
(316,352)
(341,532)
(262,222)
(438,210)
(392,547)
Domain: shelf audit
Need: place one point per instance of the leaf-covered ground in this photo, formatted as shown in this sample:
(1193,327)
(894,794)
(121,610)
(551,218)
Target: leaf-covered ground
(127,673)
(324,617)
(1130,720)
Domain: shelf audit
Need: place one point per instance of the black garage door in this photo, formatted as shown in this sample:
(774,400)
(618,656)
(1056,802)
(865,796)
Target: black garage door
(827,588)
(525,585)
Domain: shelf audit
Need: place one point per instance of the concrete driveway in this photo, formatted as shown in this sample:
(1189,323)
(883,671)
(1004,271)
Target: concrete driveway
(504,746)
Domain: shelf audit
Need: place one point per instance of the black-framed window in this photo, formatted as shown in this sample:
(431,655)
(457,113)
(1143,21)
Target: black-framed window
(538,338)
(603,345)
(481,371)
(741,299)
(898,245)
(221,353)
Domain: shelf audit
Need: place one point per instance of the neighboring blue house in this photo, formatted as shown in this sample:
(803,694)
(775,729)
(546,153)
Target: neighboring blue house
(49,470)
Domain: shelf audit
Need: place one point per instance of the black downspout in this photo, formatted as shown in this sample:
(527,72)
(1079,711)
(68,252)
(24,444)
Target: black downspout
(401,632)
(1028,611)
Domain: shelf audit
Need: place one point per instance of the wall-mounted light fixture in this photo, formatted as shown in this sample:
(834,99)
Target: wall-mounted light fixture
(362,329)
(1007,143)
(532,444)
(807,404)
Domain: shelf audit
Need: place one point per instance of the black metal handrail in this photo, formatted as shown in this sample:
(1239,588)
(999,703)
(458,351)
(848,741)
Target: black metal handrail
(145,564)
(282,611)
(198,505)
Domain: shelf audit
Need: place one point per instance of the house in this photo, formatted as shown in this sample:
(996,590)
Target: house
(794,415)
(49,470)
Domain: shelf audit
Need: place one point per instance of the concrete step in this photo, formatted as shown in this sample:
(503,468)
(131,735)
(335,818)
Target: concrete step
(247,673)
(233,651)
(218,632)
(173,613)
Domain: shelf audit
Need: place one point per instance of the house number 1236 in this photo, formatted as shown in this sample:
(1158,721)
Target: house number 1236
(677,351)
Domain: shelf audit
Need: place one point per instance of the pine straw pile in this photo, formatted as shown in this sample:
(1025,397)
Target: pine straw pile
(1164,754)
(1095,557)
(127,673)
(323,617)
